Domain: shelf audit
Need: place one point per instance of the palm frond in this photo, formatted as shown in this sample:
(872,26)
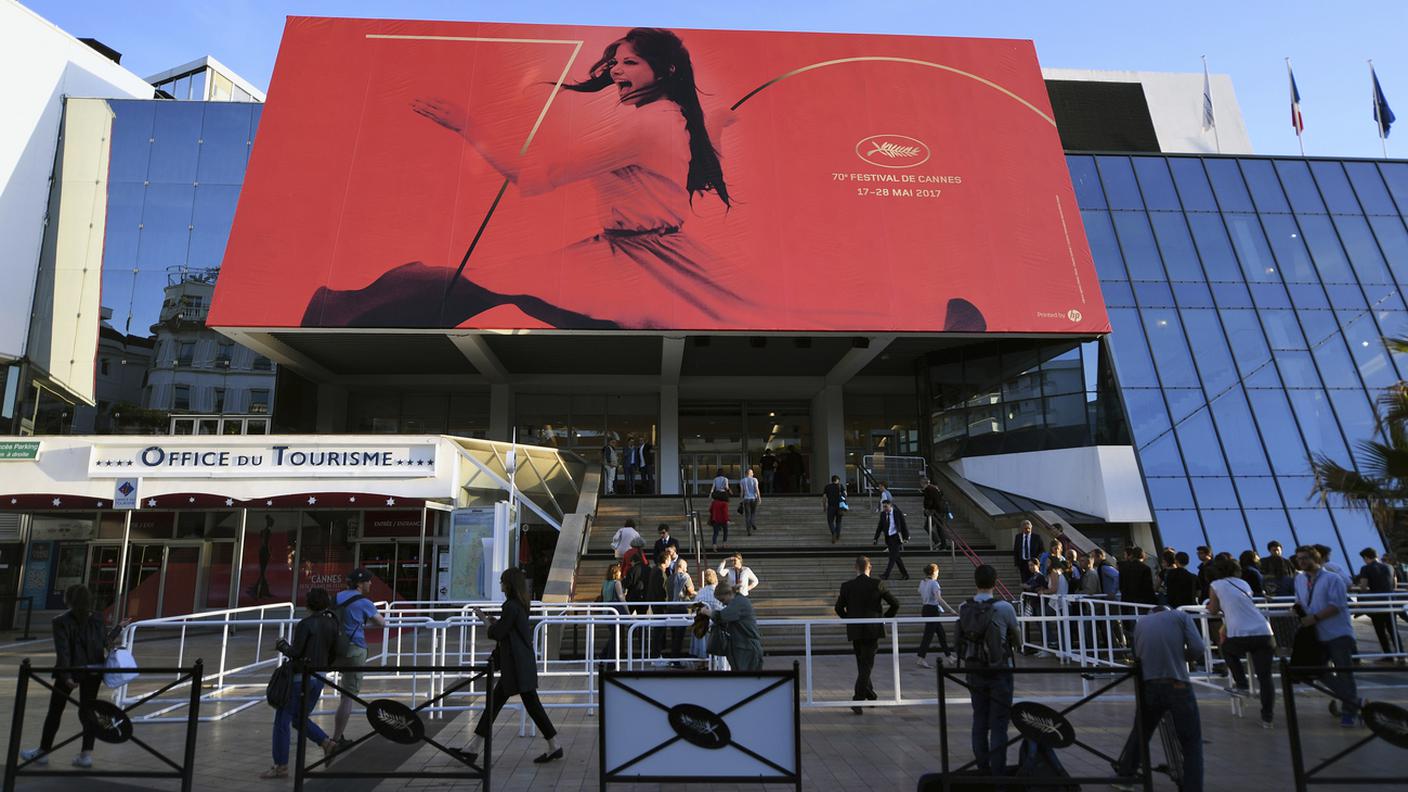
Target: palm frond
(1350,487)
(1398,345)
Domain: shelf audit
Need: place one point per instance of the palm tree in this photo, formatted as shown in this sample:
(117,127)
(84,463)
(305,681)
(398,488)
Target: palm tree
(1380,483)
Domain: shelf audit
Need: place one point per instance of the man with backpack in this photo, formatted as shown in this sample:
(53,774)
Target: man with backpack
(988,638)
(354,610)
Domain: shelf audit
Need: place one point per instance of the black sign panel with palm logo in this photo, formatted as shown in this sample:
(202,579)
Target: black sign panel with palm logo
(395,721)
(1043,724)
(108,722)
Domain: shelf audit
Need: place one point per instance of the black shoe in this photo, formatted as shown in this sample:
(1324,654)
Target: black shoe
(548,757)
(467,757)
(904,577)
(857,710)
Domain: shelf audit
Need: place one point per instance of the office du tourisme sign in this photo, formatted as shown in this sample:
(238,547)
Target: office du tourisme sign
(276,459)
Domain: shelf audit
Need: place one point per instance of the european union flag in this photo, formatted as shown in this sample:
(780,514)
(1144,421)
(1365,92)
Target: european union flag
(1383,116)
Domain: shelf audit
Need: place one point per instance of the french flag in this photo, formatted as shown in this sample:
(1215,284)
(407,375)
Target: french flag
(1296,120)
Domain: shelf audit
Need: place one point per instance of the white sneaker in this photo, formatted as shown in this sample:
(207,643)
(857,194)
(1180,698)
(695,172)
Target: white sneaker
(35,755)
(83,759)
(922,663)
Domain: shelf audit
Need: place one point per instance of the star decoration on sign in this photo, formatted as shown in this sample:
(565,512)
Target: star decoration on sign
(192,499)
(151,501)
(100,504)
(229,501)
(352,499)
(13,501)
(57,502)
(390,501)
(312,500)
(268,503)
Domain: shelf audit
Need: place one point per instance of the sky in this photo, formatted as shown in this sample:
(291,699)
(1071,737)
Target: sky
(1328,43)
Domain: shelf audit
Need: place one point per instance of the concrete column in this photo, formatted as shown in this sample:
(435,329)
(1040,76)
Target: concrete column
(500,412)
(332,409)
(828,436)
(667,445)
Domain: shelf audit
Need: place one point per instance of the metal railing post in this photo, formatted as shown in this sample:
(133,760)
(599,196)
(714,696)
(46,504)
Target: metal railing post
(188,767)
(12,756)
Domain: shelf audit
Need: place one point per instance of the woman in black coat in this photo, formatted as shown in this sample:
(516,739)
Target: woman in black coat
(515,663)
(80,639)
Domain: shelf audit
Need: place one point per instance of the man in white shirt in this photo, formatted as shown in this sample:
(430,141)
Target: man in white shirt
(749,491)
(896,533)
(621,542)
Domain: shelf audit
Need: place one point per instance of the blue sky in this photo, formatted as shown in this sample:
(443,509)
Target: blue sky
(1328,42)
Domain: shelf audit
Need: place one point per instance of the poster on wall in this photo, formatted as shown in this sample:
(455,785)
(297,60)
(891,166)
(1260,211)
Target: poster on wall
(270,546)
(501,176)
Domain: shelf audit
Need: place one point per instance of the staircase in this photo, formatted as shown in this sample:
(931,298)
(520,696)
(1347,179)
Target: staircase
(792,555)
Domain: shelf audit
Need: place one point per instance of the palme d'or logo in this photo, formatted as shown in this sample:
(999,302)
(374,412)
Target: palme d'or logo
(893,151)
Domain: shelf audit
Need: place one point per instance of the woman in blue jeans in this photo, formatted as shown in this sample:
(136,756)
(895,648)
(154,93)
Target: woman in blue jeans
(314,639)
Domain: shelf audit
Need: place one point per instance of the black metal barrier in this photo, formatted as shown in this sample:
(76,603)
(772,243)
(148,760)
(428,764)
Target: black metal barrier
(1386,721)
(396,722)
(1048,728)
(108,722)
(28,613)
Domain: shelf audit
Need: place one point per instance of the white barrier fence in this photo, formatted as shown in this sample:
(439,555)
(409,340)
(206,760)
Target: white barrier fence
(1073,629)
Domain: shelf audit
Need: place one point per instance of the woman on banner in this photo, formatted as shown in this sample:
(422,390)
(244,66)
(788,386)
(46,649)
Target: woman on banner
(646,161)
(515,663)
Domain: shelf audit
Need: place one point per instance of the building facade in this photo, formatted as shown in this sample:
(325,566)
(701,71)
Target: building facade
(1250,297)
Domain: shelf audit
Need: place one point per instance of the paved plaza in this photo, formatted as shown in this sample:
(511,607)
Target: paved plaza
(888,747)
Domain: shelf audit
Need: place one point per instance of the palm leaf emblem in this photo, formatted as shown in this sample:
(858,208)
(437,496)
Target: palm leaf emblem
(894,150)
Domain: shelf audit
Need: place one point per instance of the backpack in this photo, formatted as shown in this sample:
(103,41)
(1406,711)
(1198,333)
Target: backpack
(634,581)
(342,645)
(979,645)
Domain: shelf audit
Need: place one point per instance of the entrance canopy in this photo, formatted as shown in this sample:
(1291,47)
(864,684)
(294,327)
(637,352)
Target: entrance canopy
(288,471)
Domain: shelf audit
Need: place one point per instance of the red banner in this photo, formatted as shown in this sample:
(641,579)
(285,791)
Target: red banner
(494,176)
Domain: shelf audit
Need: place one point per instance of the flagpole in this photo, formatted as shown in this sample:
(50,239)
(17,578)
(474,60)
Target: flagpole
(1378,122)
(1216,138)
(1295,106)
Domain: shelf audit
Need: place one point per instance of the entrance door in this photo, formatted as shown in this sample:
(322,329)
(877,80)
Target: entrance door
(398,564)
(144,567)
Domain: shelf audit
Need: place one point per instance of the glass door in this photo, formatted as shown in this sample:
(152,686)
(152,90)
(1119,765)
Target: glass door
(103,567)
(182,575)
(144,567)
(397,564)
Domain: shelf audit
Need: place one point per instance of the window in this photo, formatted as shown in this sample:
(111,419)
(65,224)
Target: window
(224,353)
(103,366)
(218,402)
(185,353)
(262,363)
(181,397)
(259,402)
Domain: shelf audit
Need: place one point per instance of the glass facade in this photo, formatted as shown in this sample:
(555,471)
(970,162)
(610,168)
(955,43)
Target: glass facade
(175,177)
(1249,298)
(1009,396)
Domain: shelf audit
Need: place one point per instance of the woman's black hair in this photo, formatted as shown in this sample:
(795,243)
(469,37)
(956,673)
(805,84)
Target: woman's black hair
(674,80)
(79,599)
(515,585)
(318,600)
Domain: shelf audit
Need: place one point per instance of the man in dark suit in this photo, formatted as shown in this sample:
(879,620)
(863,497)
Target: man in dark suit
(1136,584)
(896,533)
(1026,545)
(657,589)
(665,541)
(860,598)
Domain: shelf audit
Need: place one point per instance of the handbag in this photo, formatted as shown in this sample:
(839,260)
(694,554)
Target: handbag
(718,640)
(843,506)
(119,658)
(280,686)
